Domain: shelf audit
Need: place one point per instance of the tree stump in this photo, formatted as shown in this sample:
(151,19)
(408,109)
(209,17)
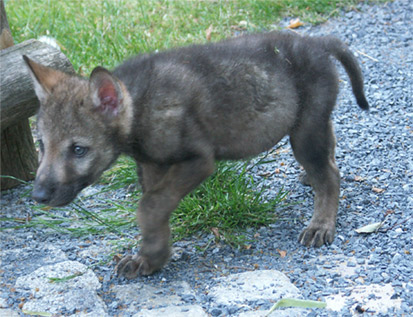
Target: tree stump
(18,102)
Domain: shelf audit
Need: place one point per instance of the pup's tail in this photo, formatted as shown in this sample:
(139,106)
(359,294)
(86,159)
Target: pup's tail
(340,51)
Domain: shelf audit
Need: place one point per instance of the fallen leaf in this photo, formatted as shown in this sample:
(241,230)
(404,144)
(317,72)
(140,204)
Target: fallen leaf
(359,178)
(370,228)
(295,23)
(216,233)
(282,253)
(378,190)
(208,33)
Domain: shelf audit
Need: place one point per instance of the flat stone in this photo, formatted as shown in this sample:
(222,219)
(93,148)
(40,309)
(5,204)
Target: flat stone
(39,281)
(242,288)
(85,301)
(142,296)
(174,311)
(76,294)
(8,313)
(362,295)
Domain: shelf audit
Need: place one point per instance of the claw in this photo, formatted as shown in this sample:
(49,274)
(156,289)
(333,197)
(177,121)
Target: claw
(317,235)
(131,266)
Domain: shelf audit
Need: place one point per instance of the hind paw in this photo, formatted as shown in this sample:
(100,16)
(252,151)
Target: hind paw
(316,235)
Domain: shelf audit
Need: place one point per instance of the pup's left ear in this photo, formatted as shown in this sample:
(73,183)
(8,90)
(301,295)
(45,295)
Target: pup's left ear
(106,92)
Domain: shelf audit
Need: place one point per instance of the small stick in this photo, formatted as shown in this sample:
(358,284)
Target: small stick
(364,54)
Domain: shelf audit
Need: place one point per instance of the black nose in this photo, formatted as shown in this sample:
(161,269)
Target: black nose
(41,194)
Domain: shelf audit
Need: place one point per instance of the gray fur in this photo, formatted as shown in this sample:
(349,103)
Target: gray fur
(178,111)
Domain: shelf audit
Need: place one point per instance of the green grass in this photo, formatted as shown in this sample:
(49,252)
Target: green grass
(105,32)
(226,203)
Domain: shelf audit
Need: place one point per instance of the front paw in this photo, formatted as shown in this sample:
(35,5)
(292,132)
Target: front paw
(130,266)
(315,235)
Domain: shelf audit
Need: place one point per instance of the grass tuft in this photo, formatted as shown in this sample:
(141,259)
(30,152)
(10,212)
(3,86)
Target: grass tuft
(225,203)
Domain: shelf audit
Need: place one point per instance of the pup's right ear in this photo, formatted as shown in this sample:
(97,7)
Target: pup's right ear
(44,78)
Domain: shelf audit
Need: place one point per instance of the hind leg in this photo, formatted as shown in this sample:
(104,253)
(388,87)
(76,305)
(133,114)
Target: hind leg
(303,177)
(313,146)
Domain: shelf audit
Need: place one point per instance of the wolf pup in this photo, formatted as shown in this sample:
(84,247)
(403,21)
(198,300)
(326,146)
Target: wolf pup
(178,111)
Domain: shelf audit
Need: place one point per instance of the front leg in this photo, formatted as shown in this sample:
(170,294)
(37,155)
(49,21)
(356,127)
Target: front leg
(161,197)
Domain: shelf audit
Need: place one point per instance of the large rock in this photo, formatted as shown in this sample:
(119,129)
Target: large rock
(254,289)
(160,300)
(74,295)
(242,288)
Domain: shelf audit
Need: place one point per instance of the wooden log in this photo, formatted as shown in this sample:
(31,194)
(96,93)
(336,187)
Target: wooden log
(18,100)
(17,103)
(18,155)
(6,39)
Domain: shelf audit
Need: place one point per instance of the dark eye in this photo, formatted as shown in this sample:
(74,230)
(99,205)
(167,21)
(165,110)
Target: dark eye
(79,151)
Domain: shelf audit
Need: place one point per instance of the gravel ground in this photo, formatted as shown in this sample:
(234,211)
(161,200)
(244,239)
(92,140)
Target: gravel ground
(374,154)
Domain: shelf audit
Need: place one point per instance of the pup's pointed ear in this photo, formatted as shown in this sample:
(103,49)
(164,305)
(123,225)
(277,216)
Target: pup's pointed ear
(105,91)
(44,78)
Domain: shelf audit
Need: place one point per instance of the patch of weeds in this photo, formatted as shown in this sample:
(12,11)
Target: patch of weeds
(226,203)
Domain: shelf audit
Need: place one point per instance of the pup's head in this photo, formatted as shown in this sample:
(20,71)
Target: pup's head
(80,125)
